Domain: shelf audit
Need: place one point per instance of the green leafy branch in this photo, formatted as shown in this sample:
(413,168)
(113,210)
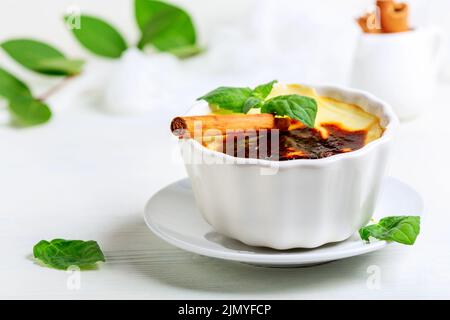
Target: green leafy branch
(39,57)
(165,27)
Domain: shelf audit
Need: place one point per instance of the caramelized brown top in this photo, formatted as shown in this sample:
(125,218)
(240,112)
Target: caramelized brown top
(302,143)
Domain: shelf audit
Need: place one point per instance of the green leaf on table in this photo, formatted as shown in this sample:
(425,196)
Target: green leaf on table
(230,98)
(99,37)
(27,111)
(11,87)
(61,254)
(294,106)
(40,57)
(401,229)
(165,26)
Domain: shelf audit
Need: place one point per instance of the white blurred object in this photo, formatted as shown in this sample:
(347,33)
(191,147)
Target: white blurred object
(287,40)
(141,82)
(4,114)
(231,56)
(232,51)
(306,40)
(438,15)
(400,68)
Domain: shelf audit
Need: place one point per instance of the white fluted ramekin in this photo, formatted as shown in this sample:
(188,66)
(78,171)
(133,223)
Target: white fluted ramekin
(301,203)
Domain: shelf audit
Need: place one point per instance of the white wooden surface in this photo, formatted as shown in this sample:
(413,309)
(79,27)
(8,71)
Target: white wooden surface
(87,175)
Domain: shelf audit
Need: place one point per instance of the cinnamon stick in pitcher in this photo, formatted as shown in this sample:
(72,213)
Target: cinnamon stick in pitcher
(214,124)
(394,16)
(368,23)
(390,17)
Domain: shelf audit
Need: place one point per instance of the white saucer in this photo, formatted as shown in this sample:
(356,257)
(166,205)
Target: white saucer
(173,216)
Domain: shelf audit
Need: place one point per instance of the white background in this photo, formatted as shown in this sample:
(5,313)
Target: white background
(87,174)
(323,32)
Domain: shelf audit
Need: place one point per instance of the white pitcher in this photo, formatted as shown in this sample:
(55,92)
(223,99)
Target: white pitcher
(400,68)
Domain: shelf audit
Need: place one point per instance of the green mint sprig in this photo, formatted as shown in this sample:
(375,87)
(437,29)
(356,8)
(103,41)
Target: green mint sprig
(98,36)
(401,229)
(61,254)
(164,26)
(242,99)
(39,57)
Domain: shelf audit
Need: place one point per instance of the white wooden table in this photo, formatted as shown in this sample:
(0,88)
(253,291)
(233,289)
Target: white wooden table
(87,175)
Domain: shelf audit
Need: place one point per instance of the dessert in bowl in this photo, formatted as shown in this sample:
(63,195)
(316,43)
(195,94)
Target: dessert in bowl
(296,184)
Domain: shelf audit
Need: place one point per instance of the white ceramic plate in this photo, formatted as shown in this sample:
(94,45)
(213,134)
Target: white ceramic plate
(173,216)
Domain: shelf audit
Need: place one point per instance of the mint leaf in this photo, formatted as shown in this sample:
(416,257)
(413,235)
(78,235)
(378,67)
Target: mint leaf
(237,99)
(69,66)
(241,100)
(230,98)
(294,106)
(258,96)
(374,230)
(164,26)
(34,55)
(401,229)
(61,254)
(11,87)
(26,111)
(263,90)
(250,103)
(99,37)
(186,51)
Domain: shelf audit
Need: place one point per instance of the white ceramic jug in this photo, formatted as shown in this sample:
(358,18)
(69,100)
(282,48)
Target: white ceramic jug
(400,68)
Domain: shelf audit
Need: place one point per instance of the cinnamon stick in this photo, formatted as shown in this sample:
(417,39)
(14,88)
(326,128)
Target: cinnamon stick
(393,16)
(389,17)
(215,124)
(368,23)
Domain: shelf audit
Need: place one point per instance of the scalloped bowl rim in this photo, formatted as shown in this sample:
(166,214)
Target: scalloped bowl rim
(389,130)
